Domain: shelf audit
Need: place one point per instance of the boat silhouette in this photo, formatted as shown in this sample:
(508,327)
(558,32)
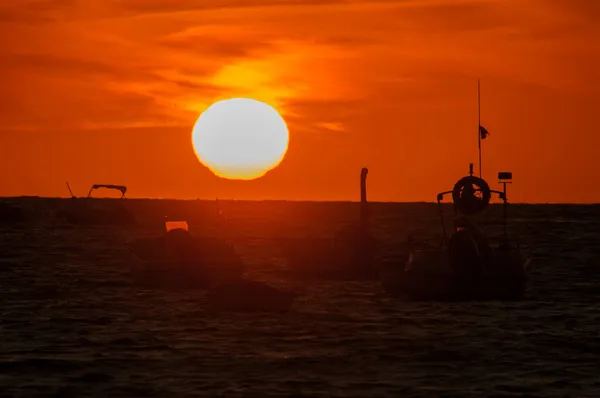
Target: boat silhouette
(467,265)
(348,256)
(86,211)
(177,259)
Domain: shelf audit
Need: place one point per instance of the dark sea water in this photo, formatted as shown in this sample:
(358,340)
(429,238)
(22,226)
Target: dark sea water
(73,324)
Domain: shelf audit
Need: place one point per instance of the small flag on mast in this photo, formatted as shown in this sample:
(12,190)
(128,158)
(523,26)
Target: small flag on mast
(483,132)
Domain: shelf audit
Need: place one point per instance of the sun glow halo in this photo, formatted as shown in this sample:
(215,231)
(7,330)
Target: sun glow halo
(240,138)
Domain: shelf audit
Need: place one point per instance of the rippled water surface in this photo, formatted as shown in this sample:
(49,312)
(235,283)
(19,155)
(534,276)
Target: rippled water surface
(72,323)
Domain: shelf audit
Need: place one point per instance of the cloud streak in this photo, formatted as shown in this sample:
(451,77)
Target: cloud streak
(381,74)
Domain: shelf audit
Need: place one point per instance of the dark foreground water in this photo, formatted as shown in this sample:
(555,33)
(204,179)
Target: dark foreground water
(72,323)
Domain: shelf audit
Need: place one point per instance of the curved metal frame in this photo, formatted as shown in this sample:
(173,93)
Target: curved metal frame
(121,188)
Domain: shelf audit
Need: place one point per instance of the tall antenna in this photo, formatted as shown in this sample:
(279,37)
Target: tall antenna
(479,123)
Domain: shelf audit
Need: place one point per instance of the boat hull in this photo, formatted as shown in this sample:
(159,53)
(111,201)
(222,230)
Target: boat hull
(98,217)
(427,275)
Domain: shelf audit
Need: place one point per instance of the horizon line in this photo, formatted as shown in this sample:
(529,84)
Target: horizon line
(290,200)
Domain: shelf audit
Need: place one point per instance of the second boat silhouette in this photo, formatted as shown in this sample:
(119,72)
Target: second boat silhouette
(179,260)
(348,256)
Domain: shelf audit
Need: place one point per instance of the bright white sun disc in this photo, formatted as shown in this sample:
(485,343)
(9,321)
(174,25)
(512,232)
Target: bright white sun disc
(240,138)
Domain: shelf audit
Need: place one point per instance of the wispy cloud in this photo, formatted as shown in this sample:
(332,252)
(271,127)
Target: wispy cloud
(377,70)
(180,59)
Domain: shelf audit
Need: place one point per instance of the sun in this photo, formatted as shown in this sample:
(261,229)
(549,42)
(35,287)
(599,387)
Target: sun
(240,138)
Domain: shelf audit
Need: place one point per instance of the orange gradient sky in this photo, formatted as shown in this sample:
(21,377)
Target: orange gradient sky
(107,91)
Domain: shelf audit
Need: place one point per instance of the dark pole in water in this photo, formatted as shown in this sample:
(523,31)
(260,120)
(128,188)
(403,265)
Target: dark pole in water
(364,215)
(479,123)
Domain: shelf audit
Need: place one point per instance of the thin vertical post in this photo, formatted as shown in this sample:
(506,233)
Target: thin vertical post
(444,233)
(479,123)
(364,214)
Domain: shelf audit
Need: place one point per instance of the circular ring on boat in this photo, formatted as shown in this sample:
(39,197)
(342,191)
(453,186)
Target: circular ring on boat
(467,202)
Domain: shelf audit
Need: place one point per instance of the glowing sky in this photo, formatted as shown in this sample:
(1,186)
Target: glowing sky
(107,91)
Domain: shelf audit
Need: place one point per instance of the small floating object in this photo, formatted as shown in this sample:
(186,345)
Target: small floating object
(250,296)
(349,256)
(465,266)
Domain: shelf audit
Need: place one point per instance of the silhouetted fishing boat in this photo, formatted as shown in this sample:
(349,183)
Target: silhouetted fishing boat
(87,212)
(348,256)
(250,296)
(467,265)
(178,259)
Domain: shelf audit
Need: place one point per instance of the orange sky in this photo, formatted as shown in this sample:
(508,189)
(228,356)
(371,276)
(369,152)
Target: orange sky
(107,91)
